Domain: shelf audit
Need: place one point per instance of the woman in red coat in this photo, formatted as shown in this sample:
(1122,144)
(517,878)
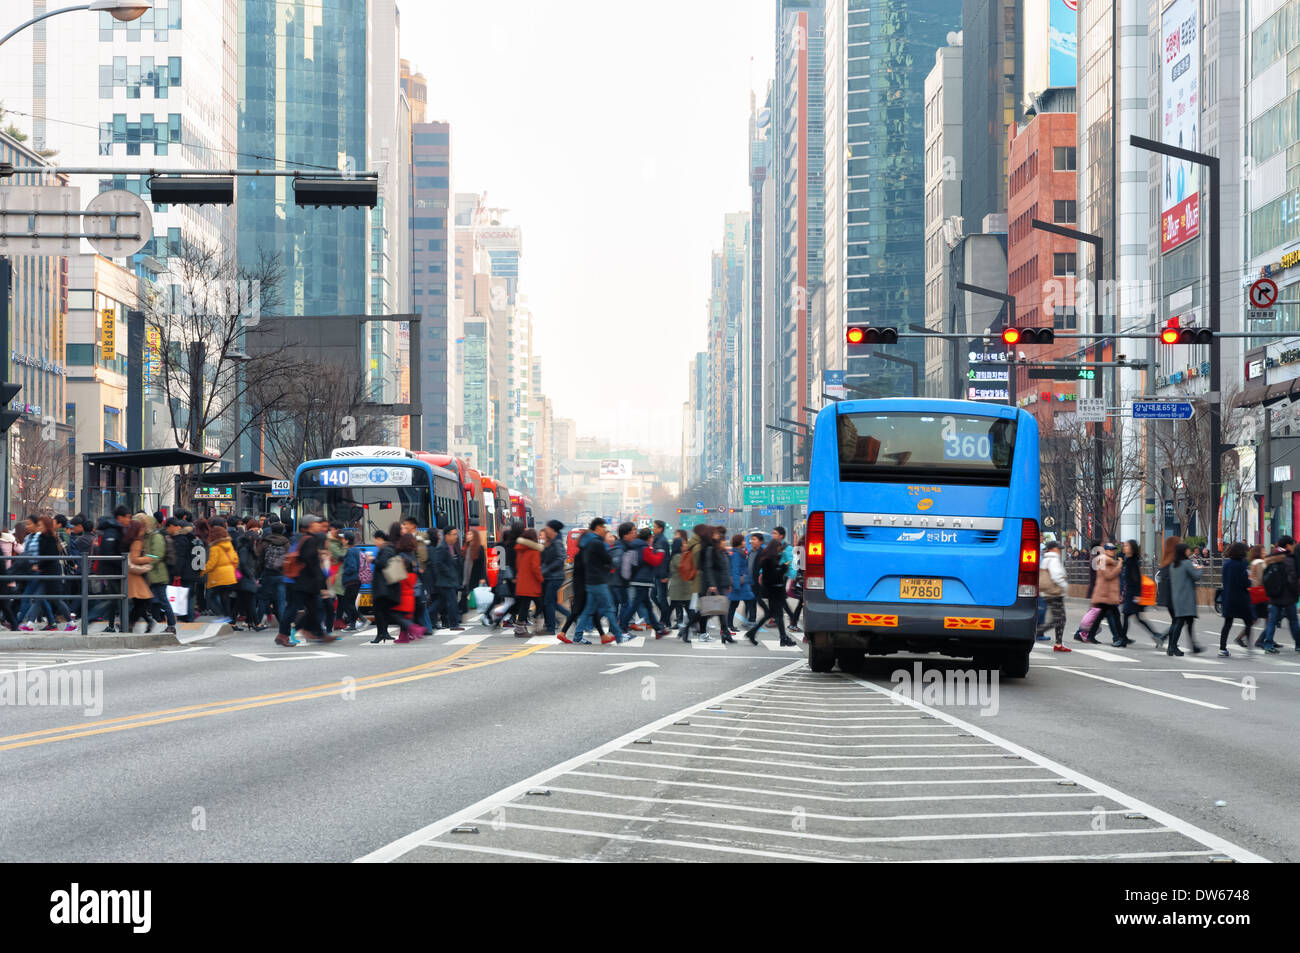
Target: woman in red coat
(528,579)
(405,606)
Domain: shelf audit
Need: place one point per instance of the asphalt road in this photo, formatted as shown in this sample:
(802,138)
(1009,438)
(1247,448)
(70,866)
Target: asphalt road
(244,751)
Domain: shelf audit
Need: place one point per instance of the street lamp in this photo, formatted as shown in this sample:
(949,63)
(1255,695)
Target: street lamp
(123,10)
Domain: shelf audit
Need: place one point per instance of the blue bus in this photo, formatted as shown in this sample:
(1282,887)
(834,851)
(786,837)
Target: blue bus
(922,533)
(370,488)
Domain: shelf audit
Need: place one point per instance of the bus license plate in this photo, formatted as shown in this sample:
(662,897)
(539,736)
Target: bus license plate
(913,588)
(363,601)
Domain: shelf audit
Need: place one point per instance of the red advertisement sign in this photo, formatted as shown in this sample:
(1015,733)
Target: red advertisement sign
(1181,222)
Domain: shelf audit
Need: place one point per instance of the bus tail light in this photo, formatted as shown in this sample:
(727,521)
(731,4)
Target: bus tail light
(1028,587)
(814,574)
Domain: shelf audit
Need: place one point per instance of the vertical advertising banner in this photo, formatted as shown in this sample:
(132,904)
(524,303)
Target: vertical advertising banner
(153,359)
(108,329)
(1063,44)
(1180,97)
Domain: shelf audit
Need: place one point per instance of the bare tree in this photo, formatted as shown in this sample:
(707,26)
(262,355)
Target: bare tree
(1072,494)
(43,462)
(208,323)
(327,408)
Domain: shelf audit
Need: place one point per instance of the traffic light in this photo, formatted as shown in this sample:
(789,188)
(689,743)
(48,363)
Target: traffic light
(342,192)
(1028,336)
(191,190)
(1173,334)
(865,334)
(8,417)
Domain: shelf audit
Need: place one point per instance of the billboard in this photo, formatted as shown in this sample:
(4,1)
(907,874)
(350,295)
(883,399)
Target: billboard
(498,237)
(1063,43)
(615,469)
(1180,99)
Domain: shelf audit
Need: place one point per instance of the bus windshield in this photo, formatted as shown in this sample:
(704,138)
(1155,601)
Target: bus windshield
(365,508)
(945,448)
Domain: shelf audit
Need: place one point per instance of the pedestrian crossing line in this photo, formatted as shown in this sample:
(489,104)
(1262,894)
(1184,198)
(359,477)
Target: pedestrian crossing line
(473,638)
(774,645)
(1105,656)
(707,646)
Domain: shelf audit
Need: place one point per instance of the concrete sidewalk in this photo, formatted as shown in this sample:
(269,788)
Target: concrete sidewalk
(187,633)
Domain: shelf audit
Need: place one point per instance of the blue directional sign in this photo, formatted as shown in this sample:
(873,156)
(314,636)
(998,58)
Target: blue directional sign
(1162,410)
(699,504)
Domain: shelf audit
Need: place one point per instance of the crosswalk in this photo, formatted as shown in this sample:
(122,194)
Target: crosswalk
(1043,654)
(20,660)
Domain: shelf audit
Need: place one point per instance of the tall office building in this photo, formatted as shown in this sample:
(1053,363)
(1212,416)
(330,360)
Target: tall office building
(760,160)
(943,186)
(992,64)
(878,53)
(431,284)
(416,88)
(798,161)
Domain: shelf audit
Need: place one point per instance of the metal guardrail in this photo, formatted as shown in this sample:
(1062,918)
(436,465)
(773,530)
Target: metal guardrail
(1077,571)
(84,578)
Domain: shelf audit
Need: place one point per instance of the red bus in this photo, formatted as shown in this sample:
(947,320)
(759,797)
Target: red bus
(496,508)
(471,491)
(521,507)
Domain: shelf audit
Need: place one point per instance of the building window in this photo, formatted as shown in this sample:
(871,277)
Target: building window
(1064,210)
(1063,264)
(1065,319)
(1064,159)
(82,355)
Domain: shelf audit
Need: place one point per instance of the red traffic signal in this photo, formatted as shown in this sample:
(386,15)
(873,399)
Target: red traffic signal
(1173,334)
(865,334)
(1028,336)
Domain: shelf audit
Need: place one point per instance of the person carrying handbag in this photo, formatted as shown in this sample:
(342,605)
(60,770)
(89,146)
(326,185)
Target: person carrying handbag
(1052,583)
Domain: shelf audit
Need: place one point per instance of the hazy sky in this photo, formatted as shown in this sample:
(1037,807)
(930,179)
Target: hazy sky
(617,135)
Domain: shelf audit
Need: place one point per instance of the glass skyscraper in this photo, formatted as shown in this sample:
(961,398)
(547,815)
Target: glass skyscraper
(878,53)
(302,95)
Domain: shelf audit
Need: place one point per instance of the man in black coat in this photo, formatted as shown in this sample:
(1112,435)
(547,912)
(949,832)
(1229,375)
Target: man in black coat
(446,570)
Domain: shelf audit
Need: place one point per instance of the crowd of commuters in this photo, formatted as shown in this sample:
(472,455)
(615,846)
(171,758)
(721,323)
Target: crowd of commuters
(1254,585)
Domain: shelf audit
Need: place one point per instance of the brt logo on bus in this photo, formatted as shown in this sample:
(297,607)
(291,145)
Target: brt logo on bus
(962,622)
(870,618)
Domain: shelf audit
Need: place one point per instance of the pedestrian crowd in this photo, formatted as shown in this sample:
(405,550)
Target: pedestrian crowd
(1255,585)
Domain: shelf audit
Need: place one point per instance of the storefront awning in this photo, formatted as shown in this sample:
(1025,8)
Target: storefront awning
(147,459)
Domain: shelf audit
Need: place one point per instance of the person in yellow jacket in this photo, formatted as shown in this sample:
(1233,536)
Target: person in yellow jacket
(220,572)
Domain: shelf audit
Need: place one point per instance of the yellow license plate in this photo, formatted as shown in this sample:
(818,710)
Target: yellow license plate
(364,601)
(914,588)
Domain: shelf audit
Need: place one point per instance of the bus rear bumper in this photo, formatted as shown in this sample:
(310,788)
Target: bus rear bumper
(882,628)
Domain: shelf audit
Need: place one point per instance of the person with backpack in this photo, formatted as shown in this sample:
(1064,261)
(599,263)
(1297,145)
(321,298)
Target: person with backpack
(45,582)
(270,552)
(688,568)
(1130,585)
(350,576)
(1236,596)
(772,581)
(305,585)
(1106,597)
(1053,585)
(1279,581)
(598,570)
(1183,577)
(405,607)
(640,568)
(528,581)
(617,543)
(679,587)
(593,536)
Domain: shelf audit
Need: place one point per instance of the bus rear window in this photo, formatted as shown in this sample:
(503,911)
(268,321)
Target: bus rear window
(945,448)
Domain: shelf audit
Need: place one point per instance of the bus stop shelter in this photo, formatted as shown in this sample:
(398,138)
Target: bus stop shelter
(248,493)
(113,478)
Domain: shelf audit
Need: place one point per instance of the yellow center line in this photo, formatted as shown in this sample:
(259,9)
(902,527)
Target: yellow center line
(330,686)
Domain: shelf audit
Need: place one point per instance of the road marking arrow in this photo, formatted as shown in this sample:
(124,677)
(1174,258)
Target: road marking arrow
(1215,678)
(624,666)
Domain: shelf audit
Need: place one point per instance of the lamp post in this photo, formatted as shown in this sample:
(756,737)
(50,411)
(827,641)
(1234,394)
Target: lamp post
(1010,302)
(123,10)
(1211,164)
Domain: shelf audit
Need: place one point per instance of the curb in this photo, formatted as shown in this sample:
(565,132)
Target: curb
(188,634)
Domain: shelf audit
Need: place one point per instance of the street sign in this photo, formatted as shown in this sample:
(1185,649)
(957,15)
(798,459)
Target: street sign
(754,478)
(281,487)
(1054,373)
(1263,293)
(691,520)
(1260,314)
(721,508)
(699,504)
(1162,410)
(39,220)
(1091,409)
(782,493)
(833,383)
(120,221)
(764,512)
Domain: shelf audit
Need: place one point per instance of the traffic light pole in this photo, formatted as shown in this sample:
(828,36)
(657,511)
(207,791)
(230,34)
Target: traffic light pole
(1211,164)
